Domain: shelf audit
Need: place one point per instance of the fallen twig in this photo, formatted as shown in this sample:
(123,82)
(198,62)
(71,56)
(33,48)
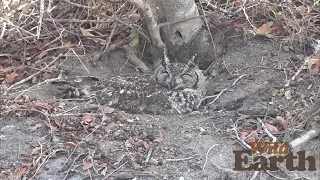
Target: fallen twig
(36,85)
(214,100)
(305,138)
(207,154)
(115,170)
(31,76)
(176,160)
(306,61)
(274,139)
(149,155)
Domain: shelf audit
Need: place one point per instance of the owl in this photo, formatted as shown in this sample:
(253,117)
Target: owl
(173,88)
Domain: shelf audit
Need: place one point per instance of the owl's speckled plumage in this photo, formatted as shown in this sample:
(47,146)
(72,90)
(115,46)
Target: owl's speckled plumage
(173,88)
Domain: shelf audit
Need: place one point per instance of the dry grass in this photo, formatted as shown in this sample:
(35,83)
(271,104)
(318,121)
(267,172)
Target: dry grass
(58,23)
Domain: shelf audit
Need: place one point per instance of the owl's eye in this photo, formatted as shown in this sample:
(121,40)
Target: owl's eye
(186,76)
(162,75)
(163,71)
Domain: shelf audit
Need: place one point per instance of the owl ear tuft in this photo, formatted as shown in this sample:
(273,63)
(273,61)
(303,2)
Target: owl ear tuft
(193,62)
(165,61)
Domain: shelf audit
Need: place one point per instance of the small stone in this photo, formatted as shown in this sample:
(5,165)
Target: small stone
(295,58)
(196,167)
(286,48)
(106,147)
(203,131)
(119,134)
(273,54)
(55,138)
(151,136)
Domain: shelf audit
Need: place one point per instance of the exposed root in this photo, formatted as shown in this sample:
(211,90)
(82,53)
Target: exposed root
(305,138)
(133,58)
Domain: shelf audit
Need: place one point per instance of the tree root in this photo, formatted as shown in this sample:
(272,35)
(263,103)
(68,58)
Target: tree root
(305,138)
(152,25)
(134,60)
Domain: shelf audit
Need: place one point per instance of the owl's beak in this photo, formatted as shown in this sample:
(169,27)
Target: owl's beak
(176,84)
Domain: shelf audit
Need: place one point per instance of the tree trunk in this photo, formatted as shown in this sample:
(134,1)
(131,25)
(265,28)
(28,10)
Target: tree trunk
(180,33)
(182,39)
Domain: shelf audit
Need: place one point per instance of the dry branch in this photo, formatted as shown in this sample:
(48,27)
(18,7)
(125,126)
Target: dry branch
(153,28)
(305,138)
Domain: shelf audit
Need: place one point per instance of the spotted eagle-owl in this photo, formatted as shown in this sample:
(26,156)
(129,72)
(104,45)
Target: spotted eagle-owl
(173,88)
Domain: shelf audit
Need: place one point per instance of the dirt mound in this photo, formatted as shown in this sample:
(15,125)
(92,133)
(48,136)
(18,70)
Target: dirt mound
(115,145)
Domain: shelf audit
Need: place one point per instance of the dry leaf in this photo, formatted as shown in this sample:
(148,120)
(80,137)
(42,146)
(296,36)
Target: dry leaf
(35,51)
(22,171)
(253,135)
(265,29)
(287,94)
(139,143)
(35,150)
(314,64)
(278,30)
(272,129)
(238,23)
(145,144)
(244,135)
(46,76)
(251,140)
(253,121)
(87,165)
(70,144)
(103,165)
(108,110)
(134,38)
(133,142)
(238,2)
(38,43)
(5,62)
(135,165)
(303,9)
(86,32)
(282,122)
(11,77)
(159,139)
(68,43)
(87,118)
(20,77)
(49,125)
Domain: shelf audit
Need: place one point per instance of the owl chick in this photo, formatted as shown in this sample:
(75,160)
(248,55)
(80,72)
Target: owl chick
(173,88)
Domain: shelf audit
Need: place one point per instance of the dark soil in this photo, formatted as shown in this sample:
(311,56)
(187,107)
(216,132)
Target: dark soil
(195,146)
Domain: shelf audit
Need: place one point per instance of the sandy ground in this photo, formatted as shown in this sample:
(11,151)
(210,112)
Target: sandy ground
(194,146)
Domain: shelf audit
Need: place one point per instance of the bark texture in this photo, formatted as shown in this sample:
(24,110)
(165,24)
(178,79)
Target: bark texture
(180,33)
(185,39)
